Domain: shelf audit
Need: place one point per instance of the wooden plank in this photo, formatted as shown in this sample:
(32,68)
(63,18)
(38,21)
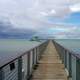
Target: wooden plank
(49,79)
(50,66)
(49,76)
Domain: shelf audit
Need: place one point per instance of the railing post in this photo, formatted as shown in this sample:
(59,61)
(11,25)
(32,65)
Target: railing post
(67,55)
(58,48)
(1,74)
(31,62)
(63,54)
(59,51)
(73,67)
(65,59)
(20,68)
(70,66)
(28,65)
(33,57)
(36,56)
(77,69)
(37,51)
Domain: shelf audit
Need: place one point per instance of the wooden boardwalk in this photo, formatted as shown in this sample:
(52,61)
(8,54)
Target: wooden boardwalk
(50,66)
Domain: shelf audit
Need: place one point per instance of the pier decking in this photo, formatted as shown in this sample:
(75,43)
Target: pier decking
(50,66)
(46,60)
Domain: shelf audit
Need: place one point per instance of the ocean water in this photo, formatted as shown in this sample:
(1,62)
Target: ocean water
(10,45)
(12,48)
(16,44)
(71,44)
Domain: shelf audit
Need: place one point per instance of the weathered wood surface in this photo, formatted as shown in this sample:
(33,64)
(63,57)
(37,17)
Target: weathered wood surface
(50,66)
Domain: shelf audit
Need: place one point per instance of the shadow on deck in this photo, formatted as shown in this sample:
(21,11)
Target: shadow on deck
(50,66)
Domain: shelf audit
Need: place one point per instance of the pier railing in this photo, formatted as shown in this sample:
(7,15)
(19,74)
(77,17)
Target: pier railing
(22,67)
(33,57)
(71,61)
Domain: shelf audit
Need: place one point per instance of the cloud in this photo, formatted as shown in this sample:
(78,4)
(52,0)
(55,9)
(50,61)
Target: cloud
(75,7)
(8,31)
(60,31)
(51,12)
(31,16)
(35,9)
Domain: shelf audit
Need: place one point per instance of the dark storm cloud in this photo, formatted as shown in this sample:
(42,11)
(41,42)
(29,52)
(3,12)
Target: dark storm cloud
(8,31)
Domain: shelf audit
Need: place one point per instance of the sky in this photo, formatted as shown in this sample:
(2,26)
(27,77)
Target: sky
(28,18)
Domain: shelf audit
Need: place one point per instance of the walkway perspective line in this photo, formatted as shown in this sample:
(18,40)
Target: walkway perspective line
(50,66)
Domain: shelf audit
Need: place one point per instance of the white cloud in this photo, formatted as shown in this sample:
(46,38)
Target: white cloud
(60,31)
(44,13)
(53,11)
(48,13)
(34,8)
(33,14)
(75,8)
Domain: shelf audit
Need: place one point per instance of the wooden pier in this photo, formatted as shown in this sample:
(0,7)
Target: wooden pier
(46,60)
(50,66)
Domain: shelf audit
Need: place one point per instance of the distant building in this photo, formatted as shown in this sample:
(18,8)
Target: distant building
(35,38)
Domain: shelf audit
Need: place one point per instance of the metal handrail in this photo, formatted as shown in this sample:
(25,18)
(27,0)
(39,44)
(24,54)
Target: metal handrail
(70,60)
(26,62)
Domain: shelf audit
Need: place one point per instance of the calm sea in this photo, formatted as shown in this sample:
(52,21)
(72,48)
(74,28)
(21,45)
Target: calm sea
(71,44)
(11,45)
(13,48)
